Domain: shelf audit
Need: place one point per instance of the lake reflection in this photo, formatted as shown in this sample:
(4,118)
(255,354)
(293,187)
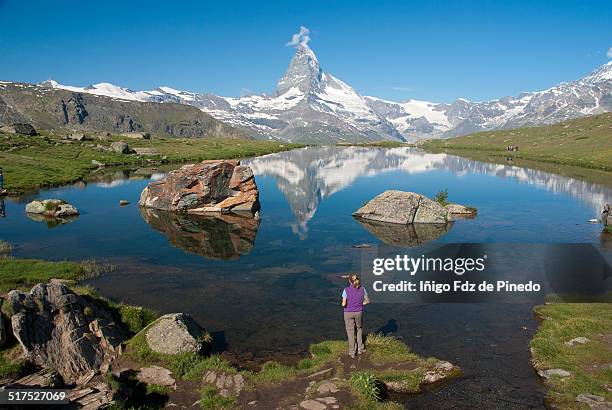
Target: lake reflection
(216,236)
(273,287)
(310,175)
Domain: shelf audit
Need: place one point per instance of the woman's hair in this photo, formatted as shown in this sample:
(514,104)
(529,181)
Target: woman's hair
(354,280)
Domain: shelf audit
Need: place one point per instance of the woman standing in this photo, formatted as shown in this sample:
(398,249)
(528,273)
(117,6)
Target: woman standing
(354,297)
(2,192)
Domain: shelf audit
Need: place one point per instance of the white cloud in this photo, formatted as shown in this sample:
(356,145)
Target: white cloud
(402,88)
(302,37)
(609,53)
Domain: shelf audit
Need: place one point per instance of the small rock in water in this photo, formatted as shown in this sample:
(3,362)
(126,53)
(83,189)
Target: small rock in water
(123,202)
(52,208)
(580,340)
(362,245)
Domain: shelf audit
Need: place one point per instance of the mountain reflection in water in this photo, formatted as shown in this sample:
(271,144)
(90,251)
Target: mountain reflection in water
(308,175)
(218,236)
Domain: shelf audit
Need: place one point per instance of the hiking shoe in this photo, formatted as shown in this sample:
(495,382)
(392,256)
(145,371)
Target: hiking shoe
(352,356)
(362,352)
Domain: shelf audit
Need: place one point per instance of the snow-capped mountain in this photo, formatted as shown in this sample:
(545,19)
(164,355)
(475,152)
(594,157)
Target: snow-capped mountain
(308,105)
(589,95)
(311,105)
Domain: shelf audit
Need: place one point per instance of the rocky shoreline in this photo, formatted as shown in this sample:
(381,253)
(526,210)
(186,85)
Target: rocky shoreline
(75,340)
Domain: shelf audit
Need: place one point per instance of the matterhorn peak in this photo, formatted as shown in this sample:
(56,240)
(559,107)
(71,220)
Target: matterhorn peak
(304,71)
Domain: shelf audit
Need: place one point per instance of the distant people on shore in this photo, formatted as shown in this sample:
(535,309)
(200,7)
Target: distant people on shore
(2,190)
(512,148)
(354,298)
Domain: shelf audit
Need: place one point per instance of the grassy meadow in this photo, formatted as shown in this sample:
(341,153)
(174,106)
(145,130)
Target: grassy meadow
(589,363)
(32,162)
(584,142)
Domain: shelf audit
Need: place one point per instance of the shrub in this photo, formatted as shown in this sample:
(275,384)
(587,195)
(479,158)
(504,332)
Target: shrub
(5,249)
(366,385)
(442,197)
(91,269)
(136,318)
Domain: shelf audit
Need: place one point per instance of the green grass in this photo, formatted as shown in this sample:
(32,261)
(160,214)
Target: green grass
(213,362)
(212,400)
(10,368)
(589,363)
(25,273)
(157,389)
(387,349)
(583,142)
(323,353)
(34,162)
(410,381)
(366,385)
(273,373)
(22,274)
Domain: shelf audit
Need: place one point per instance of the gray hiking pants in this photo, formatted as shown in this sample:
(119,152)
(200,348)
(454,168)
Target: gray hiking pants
(354,331)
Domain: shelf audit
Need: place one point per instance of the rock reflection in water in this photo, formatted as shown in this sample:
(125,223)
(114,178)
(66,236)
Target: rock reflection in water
(405,236)
(215,236)
(52,221)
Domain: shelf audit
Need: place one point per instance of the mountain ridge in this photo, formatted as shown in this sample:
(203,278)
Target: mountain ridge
(311,105)
(69,110)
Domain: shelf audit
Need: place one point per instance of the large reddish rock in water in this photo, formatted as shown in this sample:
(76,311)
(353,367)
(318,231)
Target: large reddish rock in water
(211,186)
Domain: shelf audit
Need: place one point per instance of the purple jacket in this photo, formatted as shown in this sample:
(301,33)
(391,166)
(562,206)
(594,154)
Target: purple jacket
(354,298)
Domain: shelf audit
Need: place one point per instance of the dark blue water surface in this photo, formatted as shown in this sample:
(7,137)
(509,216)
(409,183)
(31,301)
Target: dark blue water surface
(273,288)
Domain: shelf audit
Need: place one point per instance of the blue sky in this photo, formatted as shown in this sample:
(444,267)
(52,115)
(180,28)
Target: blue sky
(437,51)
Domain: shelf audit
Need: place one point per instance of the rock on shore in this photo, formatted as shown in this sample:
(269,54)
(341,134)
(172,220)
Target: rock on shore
(211,186)
(175,333)
(51,207)
(58,329)
(19,128)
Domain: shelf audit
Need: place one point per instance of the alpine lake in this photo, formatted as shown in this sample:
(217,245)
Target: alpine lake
(267,289)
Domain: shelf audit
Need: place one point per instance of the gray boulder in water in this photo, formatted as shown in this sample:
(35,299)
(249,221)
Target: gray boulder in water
(52,208)
(404,208)
(58,329)
(175,333)
(399,207)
